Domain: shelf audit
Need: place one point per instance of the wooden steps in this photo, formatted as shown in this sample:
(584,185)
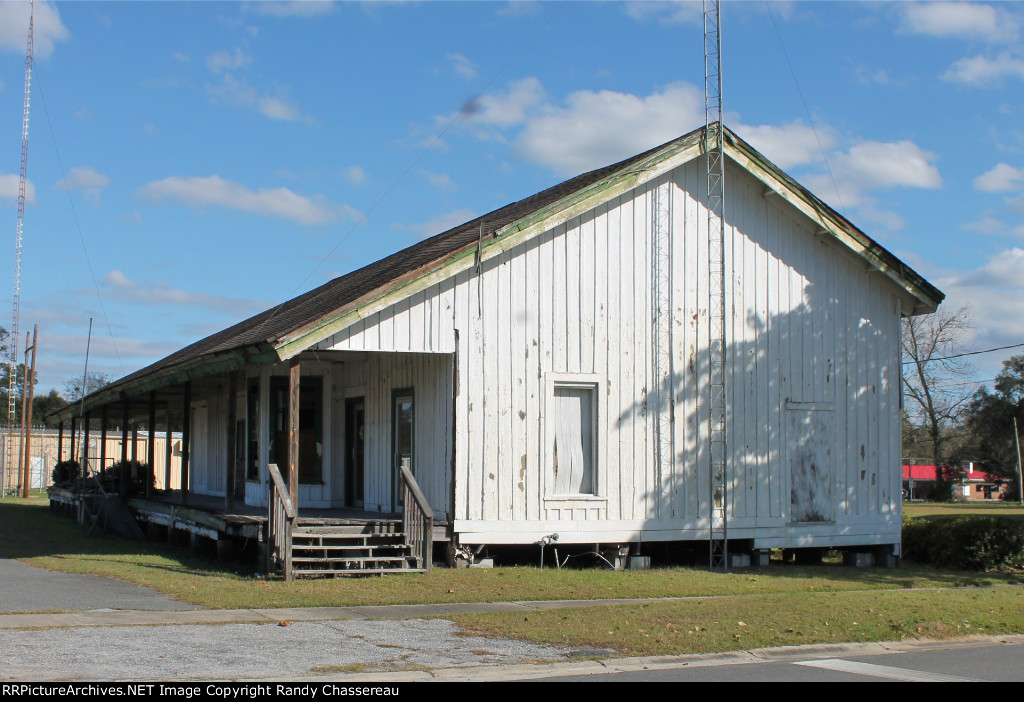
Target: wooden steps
(374,548)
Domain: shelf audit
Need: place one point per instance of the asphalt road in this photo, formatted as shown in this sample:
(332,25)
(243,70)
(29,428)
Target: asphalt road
(27,589)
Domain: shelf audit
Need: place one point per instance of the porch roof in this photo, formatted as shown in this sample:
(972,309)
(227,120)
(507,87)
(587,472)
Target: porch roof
(292,326)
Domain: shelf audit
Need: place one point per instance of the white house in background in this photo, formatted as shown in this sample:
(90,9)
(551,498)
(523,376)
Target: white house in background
(510,364)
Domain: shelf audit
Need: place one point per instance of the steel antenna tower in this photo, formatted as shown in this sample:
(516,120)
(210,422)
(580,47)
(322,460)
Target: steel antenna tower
(715,159)
(11,402)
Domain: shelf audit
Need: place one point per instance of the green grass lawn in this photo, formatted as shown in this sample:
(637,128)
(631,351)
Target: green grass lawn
(779,605)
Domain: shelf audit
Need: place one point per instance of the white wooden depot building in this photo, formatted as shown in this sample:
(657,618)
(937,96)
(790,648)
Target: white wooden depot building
(509,364)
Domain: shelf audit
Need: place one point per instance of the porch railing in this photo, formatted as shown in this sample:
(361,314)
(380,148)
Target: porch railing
(279,525)
(417,520)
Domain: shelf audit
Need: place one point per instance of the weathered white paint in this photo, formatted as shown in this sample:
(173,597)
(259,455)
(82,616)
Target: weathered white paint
(809,328)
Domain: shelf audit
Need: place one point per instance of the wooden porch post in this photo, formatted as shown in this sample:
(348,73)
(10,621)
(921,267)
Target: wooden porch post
(72,441)
(135,441)
(186,426)
(124,448)
(293,432)
(60,441)
(168,450)
(103,439)
(229,487)
(151,447)
(85,442)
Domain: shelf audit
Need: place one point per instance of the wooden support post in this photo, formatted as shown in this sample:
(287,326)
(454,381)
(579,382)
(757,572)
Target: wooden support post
(60,441)
(229,487)
(23,459)
(30,377)
(73,455)
(103,439)
(124,448)
(150,475)
(186,426)
(85,441)
(168,450)
(135,441)
(293,431)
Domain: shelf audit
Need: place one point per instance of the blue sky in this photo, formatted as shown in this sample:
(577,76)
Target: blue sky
(194,163)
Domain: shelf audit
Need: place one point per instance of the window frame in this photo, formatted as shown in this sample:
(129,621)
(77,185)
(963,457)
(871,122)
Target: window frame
(574,381)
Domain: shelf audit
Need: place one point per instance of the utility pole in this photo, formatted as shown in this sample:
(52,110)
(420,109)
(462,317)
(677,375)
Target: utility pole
(1020,485)
(26,413)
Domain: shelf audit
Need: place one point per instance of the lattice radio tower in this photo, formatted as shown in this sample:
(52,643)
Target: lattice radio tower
(715,158)
(14,338)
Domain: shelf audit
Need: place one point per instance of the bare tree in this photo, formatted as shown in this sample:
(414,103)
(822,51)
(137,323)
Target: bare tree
(934,375)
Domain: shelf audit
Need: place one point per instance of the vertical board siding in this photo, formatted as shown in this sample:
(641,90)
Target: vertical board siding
(431,379)
(807,324)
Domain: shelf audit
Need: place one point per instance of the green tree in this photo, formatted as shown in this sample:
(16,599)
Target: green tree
(989,421)
(5,380)
(42,405)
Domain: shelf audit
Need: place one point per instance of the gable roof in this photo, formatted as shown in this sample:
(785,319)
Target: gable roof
(285,330)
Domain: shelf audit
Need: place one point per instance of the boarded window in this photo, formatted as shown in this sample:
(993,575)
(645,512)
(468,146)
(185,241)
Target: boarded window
(811,437)
(573,421)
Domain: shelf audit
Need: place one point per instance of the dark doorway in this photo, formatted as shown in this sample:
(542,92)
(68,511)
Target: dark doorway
(355,414)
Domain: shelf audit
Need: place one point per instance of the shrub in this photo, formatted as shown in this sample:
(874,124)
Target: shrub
(137,473)
(970,542)
(66,472)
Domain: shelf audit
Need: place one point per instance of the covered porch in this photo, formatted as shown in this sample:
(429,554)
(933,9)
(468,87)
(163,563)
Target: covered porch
(348,431)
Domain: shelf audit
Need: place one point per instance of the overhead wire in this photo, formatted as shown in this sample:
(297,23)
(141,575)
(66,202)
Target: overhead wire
(810,119)
(458,116)
(78,225)
(965,353)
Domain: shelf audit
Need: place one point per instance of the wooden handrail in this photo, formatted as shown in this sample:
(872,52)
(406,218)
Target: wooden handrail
(282,489)
(417,520)
(281,516)
(414,488)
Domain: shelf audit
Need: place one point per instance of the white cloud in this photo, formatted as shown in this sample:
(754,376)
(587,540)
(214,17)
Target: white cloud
(293,8)
(123,288)
(273,202)
(505,109)
(85,179)
(441,223)
(598,128)
(665,12)
(1002,178)
(355,175)
(440,180)
(965,20)
(995,293)
(790,144)
(873,165)
(595,128)
(222,61)
(237,92)
(1016,203)
(866,74)
(462,65)
(984,72)
(47,28)
(986,225)
(9,187)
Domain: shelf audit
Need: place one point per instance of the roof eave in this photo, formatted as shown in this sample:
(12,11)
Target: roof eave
(926,296)
(193,369)
(505,238)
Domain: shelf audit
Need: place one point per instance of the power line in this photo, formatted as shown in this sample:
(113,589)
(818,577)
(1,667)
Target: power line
(965,353)
(459,115)
(78,228)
